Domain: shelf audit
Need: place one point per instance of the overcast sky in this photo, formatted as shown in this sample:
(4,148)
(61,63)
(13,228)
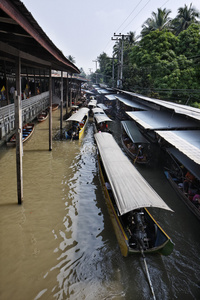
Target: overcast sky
(83,28)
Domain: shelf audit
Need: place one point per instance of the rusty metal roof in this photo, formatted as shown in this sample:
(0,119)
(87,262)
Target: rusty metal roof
(21,35)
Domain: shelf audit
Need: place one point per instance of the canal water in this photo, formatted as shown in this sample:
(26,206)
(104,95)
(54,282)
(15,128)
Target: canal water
(60,244)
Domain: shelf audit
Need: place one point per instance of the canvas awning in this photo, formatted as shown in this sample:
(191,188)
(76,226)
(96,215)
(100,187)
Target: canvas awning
(79,115)
(187,141)
(133,132)
(130,102)
(189,164)
(100,115)
(130,189)
(160,120)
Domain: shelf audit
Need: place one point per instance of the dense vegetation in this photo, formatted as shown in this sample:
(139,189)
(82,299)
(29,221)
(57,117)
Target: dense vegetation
(164,63)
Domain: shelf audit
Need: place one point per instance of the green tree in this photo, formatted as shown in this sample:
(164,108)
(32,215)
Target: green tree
(159,20)
(185,17)
(71,58)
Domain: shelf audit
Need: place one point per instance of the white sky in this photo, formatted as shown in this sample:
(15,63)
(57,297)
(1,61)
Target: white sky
(83,28)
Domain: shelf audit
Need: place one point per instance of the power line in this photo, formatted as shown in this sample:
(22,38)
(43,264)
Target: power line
(129,15)
(136,15)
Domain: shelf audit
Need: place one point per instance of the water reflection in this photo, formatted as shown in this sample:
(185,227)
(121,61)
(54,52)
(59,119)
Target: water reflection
(60,243)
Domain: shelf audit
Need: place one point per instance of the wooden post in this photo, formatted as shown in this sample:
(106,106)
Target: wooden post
(50,111)
(67,96)
(70,95)
(61,107)
(18,128)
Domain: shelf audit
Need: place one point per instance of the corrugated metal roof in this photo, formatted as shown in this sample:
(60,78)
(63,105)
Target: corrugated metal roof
(187,141)
(178,108)
(131,103)
(156,120)
(28,37)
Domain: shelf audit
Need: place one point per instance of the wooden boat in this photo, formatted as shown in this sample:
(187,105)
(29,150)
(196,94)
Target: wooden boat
(128,195)
(43,116)
(27,131)
(176,169)
(55,106)
(100,120)
(78,123)
(134,143)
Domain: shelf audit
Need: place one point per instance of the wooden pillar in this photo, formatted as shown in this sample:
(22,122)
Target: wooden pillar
(67,95)
(18,128)
(61,106)
(50,110)
(70,95)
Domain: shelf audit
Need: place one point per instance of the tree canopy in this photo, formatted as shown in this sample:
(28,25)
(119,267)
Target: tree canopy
(165,61)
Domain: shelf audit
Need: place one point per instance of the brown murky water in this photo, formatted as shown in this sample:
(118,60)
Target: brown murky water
(60,244)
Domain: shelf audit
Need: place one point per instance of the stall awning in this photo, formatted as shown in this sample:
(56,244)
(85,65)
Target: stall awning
(189,164)
(130,189)
(178,108)
(133,132)
(131,103)
(186,141)
(160,120)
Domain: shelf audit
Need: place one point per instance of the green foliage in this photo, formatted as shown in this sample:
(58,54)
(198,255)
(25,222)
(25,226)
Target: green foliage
(165,62)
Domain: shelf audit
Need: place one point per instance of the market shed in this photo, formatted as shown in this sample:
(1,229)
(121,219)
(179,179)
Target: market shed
(26,49)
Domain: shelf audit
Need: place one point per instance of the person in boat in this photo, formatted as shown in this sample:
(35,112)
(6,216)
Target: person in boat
(188,181)
(196,200)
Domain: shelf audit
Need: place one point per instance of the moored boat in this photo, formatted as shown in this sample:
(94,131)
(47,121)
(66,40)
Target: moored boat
(134,143)
(43,116)
(78,123)
(101,120)
(27,131)
(184,176)
(128,195)
(55,106)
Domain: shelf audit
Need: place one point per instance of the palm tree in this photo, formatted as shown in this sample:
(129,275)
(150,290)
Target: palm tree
(186,16)
(159,20)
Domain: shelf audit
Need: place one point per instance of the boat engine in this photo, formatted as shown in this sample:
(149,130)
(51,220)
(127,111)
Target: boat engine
(140,233)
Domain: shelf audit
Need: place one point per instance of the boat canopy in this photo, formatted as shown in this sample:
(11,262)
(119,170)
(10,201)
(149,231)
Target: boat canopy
(102,106)
(187,141)
(189,164)
(100,115)
(155,120)
(92,102)
(131,103)
(79,115)
(133,132)
(111,97)
(130,189)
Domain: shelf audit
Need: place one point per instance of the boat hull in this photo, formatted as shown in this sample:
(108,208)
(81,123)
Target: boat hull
(184,198)
(162,245)
(27,132)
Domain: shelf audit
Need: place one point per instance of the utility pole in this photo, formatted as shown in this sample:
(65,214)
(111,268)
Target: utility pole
(120,38)
(96,68)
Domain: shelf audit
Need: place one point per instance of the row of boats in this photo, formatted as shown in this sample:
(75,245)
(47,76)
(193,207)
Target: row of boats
(28,128)
(127,193)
